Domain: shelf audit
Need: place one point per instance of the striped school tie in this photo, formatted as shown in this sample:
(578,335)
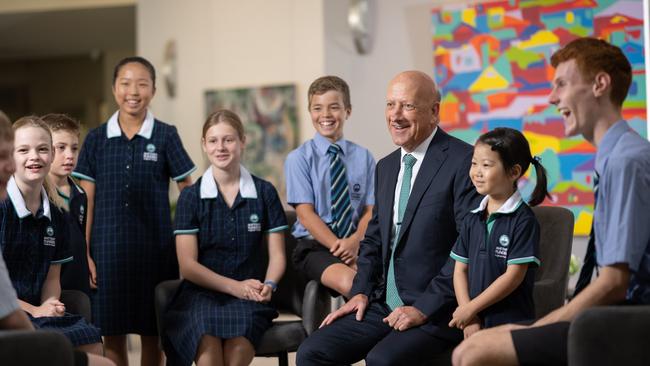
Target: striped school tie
(392,295)
(341,208)
(589,262)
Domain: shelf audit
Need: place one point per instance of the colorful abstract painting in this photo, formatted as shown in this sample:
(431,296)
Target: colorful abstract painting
(491,61)
(271,122)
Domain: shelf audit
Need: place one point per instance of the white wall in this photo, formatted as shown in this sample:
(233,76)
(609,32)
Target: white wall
(402,41)
(224,44)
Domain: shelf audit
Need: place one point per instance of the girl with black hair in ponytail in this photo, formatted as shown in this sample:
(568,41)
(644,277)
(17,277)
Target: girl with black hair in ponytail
(496,252)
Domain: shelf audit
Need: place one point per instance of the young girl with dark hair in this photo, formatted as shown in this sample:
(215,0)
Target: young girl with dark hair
(497,249)
(125,166)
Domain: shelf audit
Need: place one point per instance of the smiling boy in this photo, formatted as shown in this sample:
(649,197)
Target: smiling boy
(330,183)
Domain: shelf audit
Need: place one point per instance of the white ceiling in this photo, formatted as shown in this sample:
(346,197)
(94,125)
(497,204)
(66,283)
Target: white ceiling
(45,34)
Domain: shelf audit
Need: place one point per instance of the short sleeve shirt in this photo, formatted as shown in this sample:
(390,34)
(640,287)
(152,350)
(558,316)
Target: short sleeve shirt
(230,239)
(488,246)
(31,243)
(8,303)
(621,225)
(132,181)
(308,178)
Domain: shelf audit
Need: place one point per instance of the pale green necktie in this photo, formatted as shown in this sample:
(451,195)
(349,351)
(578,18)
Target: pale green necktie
(392,295)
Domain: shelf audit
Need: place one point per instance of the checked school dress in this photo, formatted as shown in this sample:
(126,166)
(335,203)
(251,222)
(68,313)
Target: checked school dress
(30,244)
(231,243)
(131,240)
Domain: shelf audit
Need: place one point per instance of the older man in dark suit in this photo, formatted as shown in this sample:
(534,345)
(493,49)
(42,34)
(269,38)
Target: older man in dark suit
(402,296)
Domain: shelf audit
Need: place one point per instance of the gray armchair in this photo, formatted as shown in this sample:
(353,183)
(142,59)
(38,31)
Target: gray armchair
(556,238)
(610,335)
(43,347)
(40,347)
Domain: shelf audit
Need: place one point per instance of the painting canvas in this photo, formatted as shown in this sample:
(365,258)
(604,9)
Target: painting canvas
(270,119)
(491,61)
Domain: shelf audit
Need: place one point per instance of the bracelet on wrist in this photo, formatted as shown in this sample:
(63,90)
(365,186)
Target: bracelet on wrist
(271,284)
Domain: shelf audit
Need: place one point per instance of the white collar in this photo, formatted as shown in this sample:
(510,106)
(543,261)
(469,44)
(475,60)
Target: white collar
(421,150)
(246,185)
(113,129)
(18,200)
(511,204)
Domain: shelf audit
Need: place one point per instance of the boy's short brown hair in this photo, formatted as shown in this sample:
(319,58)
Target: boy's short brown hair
(326,83)
(594,55)
(61,122)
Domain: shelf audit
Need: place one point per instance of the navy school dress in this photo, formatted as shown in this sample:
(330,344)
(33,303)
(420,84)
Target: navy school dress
(131,239)
(231,243)
(488,245)
(75,274)
(30,244)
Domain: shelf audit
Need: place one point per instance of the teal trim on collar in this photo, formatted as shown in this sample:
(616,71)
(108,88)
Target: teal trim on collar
(18,200)
(146,130)
(83,177)
(246,184)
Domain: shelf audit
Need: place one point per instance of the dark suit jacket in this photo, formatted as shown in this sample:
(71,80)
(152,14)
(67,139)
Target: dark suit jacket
(441,196)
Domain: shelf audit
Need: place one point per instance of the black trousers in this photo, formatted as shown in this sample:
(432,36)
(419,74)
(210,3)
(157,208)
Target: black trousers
(348,341)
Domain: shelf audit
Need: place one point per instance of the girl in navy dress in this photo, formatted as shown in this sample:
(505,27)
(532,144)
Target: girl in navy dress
(34,238)
(125,166)
(225,225)
(498,245)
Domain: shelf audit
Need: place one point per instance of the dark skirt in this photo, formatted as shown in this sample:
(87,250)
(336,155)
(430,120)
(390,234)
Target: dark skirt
(196,311)
(74,327)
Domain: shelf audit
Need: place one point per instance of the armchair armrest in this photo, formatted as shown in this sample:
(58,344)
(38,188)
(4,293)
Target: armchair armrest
(77,302)
(28,347)
(316,304)
(610,335)
(548,296)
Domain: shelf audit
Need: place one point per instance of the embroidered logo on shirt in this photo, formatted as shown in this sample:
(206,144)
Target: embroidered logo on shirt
(254,224)
(49,240)
(355,195)
(501,251)
(81,214)
(150,156)
(151,148)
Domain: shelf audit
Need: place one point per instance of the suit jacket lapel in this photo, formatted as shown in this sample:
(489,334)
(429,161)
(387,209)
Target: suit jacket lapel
(433,159)
(386,216)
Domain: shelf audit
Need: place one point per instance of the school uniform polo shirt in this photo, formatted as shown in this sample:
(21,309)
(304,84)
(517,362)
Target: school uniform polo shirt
(231,239)
(31,243)
(308,179)
(488,245)
(621,222)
